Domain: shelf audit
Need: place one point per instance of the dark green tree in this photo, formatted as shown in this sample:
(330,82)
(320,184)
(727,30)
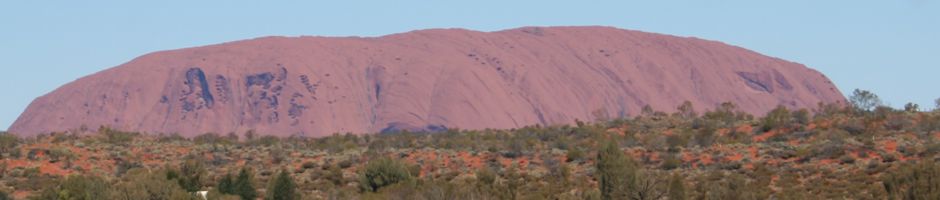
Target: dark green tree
(863,100)
(244,186)
(282,188)
(616,172)
(685,110)
(937,104)
(911,107)
(227,184)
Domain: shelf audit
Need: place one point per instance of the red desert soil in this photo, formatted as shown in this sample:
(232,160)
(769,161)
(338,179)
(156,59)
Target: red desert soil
(890,146)
(764,136)
(422,80)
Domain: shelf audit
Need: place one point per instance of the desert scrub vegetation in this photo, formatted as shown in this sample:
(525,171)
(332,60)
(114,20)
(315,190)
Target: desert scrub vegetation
(383,172)
(830,152)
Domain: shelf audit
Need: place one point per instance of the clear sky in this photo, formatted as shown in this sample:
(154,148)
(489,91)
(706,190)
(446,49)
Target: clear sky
(889,47)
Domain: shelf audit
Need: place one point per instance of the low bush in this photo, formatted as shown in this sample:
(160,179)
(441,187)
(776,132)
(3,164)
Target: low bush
(383,172)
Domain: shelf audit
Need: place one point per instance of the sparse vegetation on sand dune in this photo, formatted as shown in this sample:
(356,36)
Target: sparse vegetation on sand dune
(833,152)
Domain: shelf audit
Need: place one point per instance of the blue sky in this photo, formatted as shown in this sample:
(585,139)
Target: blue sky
(889,47)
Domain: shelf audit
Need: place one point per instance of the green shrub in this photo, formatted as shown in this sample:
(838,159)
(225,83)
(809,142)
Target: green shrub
(575,154)
(676,187)
(334,174)
(718,185)
(675,141)
(8,143)
(486,176)
(801,116)
(56,154)
(277,155)
(267,140)
(192,175)
(914,181)
(213,138)
(308,165)
(727,114)
(77,187)
(514,181)
(670,162)
(706,136)
(142,184)
(776,118)
(686,110)
(898,123)
(344,164)
(116,137)
(382,172)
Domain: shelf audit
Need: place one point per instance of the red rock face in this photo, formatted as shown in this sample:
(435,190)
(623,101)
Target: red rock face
(422,80)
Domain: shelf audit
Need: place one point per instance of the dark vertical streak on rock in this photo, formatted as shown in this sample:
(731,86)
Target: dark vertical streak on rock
(196,74)
(378,91)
